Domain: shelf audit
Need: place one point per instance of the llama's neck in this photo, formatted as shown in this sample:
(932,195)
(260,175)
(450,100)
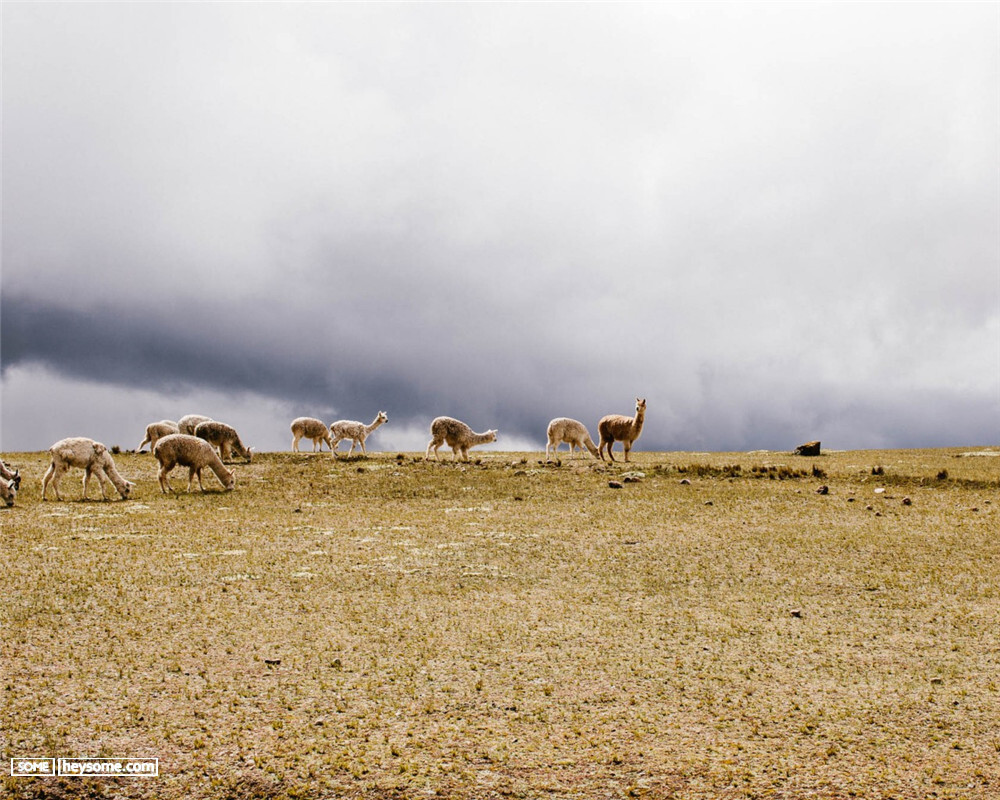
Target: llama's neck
(219,468)
(375,423)
(115,477)
(637,420)
(481,438)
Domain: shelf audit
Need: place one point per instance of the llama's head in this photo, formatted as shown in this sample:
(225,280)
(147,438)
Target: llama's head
(7,492)
(231,483)
(492,434)
(640,405)
(15,480)
(382,417)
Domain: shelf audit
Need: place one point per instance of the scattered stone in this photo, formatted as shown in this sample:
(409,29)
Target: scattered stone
(797,613)
(880,490)
(521,472)
(361,469)
(272,662)
(631,479)
(614,485)
(937,681)
(685,482)
(824,489)
(907,501)
(808,449)
(709,503)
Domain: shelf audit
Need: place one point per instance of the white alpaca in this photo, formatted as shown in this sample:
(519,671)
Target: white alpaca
(571,431)
(189,422)
(357,432)
(157,430)
(224,437)
(310,428)
(193,453)
(12,476)
(8,491)
(459,436)
(90,456)
(624,429)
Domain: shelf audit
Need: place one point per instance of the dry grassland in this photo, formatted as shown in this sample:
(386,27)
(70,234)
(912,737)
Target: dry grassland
(386,627)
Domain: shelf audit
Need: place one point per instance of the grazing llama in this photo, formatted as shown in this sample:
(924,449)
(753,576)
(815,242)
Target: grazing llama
(181,449)
(12,476)
(616,427)
(157,430)
(459,436)
(90,456)
(357,432)
(224,437)
(189,422)
(310,428)
(571,431)
(8,491)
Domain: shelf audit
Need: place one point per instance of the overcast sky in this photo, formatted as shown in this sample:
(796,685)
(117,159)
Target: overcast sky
(776,222)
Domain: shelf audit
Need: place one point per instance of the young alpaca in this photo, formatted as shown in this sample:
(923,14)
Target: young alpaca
(310,428)
(357,432)
(623,429)
(225,437)
(93,457)
(574,433)
(458,435)
(189,422)
(193,453)
(157,430)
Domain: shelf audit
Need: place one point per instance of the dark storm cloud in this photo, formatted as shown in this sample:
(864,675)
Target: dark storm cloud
(776,223)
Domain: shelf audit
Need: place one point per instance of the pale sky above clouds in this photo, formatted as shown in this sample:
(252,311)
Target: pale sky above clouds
(776,222)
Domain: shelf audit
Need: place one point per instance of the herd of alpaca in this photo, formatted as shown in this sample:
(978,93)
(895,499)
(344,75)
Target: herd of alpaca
(197,442)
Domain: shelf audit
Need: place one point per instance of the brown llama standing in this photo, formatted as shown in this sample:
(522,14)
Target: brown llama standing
(616,427)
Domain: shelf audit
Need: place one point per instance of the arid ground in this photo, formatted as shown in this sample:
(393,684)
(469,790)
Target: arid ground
(717,626)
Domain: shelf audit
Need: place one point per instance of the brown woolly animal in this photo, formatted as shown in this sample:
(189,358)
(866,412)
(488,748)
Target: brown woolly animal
(224,437)
(618,428)
(459,436)
(310,428)
(180,449)
(574,433)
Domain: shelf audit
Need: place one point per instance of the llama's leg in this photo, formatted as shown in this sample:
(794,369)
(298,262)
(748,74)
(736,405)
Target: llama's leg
(102,480)
(354,443)
(295,444)
(49,474)
(364,452)
(200,485)
(164,481)
(627,445)
(611,443)
(191,471)
(548,444)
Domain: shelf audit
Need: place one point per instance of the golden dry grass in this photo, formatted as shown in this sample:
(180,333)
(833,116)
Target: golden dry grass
(392,628)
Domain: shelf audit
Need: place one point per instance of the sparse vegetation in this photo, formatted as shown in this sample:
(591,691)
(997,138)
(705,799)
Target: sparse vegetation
(497,630)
